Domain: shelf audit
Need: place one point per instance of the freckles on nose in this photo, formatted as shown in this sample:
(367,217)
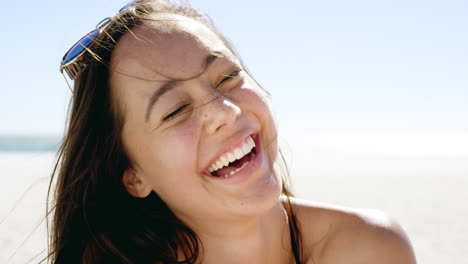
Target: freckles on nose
(218,113)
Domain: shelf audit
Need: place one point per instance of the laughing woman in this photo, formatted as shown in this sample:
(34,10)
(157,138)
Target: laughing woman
(171,156)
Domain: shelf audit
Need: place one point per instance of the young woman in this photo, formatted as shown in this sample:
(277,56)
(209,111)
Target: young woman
(171,157)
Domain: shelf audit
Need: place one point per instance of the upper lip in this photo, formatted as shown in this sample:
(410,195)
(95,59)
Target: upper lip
(230,144)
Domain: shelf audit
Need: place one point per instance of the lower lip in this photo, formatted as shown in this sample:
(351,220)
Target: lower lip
(247,171)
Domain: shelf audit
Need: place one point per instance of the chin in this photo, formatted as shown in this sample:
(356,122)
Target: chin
(265,194)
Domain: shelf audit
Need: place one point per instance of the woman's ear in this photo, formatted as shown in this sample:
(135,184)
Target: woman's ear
(134,184)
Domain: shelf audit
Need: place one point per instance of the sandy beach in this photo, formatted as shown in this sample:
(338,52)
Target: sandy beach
(426,193)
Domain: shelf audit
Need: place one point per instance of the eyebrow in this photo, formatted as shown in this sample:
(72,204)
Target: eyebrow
(171,84)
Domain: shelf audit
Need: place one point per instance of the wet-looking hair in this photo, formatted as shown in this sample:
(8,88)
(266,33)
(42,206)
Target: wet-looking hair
(93,218)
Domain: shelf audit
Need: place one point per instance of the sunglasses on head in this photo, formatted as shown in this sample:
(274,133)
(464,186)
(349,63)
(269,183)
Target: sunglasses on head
(72,62)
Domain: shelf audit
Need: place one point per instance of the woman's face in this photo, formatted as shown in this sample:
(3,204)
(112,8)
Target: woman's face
(185,111)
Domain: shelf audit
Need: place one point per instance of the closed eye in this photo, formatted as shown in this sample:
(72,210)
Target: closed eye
(175,112)
(230,76)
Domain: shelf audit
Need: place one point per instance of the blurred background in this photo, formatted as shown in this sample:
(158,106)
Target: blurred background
(371,99)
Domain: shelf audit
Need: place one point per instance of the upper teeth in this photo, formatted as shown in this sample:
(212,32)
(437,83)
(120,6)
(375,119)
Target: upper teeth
(233,155)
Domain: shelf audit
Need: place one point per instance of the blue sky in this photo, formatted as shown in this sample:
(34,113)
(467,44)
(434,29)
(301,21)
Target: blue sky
(331,65)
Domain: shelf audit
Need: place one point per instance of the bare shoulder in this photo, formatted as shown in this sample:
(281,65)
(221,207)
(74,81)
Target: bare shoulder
(333,234)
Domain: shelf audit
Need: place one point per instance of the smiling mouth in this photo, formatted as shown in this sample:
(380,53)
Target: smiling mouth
(234,161)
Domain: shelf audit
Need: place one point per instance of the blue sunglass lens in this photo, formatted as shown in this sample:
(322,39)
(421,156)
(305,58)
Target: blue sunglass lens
(80,46)
(86,41)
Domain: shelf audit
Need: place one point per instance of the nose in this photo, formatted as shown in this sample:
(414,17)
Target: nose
(219,113)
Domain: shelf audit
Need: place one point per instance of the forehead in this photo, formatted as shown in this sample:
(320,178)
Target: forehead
(177,50)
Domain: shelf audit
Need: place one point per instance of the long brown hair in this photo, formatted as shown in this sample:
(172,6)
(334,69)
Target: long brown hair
(95,220)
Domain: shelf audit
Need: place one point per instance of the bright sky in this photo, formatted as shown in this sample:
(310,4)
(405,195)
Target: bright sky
(335,65)
(360,87)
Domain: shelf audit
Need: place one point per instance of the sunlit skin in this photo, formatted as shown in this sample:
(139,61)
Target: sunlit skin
(212,107)
(170,156)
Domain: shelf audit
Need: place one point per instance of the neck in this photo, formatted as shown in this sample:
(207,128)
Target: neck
(260,239)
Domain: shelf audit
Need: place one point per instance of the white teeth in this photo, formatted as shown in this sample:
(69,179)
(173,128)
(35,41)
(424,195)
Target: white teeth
(239,153)
(219,164)
(224,160)
(251,141)
(213,168)
(236,170)
(246,148)
(231,156)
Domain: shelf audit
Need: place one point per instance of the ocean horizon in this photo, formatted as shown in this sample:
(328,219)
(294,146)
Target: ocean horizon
(418,178)
(29,143)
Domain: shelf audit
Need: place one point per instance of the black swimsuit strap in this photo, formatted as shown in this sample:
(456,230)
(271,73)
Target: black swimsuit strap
(294,246)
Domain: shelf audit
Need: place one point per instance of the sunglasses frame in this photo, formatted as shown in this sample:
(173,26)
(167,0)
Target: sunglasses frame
(74,64)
